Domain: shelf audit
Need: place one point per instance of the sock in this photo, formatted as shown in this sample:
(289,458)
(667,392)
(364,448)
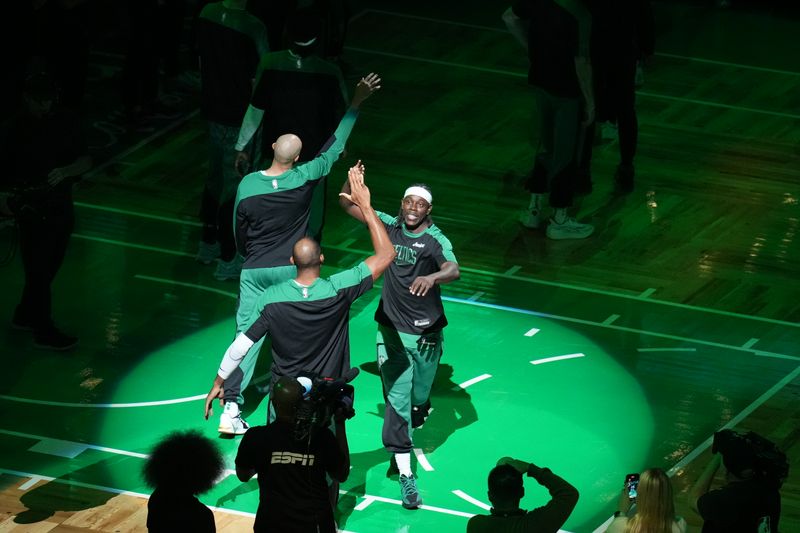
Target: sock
(536,202)
(560,215)
(232,409)
(403,461)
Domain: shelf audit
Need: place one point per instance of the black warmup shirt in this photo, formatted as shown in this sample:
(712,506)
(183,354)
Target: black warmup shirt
(231,43)
(293,492)
(417,255)
(309,326)
(271,212)
(559,31)
(304,97)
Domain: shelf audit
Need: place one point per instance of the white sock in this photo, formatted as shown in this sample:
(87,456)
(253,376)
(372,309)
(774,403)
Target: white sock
(232,409)
(403,461)
(536,202)
(560,215)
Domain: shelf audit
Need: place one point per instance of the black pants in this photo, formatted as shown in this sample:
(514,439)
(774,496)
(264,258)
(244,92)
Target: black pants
(42,244)
(615,95)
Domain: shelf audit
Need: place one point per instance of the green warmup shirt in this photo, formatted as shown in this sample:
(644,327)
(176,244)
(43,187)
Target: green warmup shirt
(309,326)
(418,254)
(271,212)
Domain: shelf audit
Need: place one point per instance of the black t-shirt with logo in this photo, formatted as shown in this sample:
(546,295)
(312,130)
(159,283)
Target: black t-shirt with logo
(418,254)
(293,492)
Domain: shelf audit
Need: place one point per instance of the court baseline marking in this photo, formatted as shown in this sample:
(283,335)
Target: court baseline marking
(506,32)
(644,296)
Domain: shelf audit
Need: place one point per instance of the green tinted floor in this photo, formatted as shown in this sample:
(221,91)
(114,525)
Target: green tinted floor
(592,385)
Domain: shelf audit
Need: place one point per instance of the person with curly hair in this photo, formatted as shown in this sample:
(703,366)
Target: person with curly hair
(182,466)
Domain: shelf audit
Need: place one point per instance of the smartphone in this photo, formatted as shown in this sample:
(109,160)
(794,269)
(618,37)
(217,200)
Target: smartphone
(631,484)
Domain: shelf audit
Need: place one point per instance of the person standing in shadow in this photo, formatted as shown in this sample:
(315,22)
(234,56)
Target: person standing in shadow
(182,466)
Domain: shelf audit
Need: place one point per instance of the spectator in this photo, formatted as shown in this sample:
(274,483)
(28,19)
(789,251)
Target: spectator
(231,43)
(505,492)
(181,466)
(654,508)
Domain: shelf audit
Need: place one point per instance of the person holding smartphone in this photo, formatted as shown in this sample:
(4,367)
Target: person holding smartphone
(646,505)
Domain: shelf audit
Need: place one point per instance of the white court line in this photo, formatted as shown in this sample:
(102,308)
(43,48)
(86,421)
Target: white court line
(475,297)
(184,284)
(422,460)
(647,292)
(144,142)
(102,405)
(30,483)
(474,381)
(363,504)
(115,451)
(645,94)
(750,343)
(513,270)
(610,320)
(579,288)
(621,328)
(505,31)
(347,242)
(531,332)
(126,244)
(556,358)
(160,218)
(676,349)
(733,422)
(464,496)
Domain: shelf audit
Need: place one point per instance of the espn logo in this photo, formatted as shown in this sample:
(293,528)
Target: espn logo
(286,458)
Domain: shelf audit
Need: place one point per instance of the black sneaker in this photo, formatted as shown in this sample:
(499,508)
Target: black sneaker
(419,414)
(409,492)
(21,324)
(53,339)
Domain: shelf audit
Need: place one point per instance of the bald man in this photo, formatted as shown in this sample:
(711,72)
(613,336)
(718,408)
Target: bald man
(307,317)
(271,214)
(293,491)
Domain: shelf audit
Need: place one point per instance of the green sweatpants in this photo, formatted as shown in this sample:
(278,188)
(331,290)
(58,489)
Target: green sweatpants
(252,283)
(408,365)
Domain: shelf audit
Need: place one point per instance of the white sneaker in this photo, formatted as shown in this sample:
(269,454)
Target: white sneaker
(206,253)
(228,269)
(569,229)
(531,218)
(231,421)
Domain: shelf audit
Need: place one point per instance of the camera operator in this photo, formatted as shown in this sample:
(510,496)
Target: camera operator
(292,486)
(748,502)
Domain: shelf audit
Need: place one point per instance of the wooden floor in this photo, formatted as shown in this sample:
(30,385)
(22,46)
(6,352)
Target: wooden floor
(705,248)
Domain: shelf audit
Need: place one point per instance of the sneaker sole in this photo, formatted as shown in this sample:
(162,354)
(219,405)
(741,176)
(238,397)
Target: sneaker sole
(229,431)
(412,507)
(39,346)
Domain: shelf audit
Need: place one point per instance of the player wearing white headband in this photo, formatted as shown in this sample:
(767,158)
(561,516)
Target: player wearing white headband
(410,320)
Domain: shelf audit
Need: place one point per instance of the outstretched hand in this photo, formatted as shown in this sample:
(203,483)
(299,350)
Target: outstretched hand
(359,193)
(421,286)
(215,392)
(519,466)
(366,86)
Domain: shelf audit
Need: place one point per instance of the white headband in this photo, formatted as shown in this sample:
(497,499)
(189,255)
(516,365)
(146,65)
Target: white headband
(419,191)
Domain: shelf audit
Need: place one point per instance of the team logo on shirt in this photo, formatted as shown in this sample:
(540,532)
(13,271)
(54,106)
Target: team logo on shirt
(287,458)
(405,255)
(418,245)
